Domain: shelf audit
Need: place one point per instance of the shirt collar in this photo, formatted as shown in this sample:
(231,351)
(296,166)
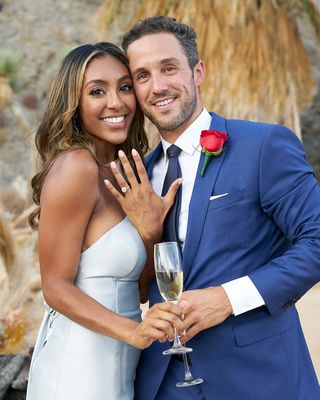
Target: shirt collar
(188,141)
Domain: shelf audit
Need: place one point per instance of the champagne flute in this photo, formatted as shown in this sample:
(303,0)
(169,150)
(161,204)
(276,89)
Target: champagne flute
(169,275)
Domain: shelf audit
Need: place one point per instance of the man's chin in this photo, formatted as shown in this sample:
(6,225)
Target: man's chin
(164,124)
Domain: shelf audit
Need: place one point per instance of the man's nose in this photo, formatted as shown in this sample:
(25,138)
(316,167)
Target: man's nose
(159,84)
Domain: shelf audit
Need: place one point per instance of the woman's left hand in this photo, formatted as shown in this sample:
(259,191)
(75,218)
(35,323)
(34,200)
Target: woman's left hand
(157,324)
(142,205)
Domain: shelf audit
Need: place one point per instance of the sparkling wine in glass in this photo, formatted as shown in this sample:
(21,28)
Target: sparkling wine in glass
(169,275)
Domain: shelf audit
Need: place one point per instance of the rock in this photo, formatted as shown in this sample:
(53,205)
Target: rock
(21,382)
(10,367)
(15,395)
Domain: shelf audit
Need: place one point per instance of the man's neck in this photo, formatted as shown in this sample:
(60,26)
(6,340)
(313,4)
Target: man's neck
(171,136)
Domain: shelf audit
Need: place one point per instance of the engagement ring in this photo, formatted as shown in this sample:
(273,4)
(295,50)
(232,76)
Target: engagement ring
(124,189)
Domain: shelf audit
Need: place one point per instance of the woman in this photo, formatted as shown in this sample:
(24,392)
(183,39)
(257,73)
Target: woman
(91,255)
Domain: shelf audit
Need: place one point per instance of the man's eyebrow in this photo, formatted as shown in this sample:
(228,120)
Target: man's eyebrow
(137,71)
(161,62)
(170,60)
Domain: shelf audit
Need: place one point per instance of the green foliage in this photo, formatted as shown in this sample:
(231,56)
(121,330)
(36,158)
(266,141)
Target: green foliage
(312,12)
(309,8)
(9,63)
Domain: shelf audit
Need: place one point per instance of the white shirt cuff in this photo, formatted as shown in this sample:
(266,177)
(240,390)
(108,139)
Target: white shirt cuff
(243,295)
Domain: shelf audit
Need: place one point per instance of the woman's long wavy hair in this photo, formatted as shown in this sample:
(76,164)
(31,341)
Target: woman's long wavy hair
(58,131)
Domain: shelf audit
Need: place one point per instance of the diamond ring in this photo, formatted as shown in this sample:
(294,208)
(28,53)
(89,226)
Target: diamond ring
(124,189)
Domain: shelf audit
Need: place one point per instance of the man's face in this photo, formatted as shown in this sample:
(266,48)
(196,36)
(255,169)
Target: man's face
(165,86)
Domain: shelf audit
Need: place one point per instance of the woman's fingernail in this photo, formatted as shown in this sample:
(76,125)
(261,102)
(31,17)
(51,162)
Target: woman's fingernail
(134,152)
(121,153)
(113,165)
(107,182)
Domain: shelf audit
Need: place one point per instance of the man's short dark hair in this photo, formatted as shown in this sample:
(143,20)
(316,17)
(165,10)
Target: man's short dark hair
(160,24)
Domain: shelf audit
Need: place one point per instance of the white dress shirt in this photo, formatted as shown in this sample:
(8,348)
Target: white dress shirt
(242,293)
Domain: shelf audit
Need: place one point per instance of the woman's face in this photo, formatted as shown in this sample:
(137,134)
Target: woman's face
(107,103)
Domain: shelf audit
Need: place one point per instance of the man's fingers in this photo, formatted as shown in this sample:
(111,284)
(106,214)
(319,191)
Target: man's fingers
(192,327)
(185,305)
(190,320)
(189,334)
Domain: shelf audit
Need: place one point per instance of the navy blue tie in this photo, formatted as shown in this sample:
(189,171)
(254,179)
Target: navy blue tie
(171,223)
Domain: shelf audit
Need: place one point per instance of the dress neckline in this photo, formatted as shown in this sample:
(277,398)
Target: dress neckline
(104,235)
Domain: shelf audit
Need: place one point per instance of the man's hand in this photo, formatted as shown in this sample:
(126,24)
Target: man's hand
(203,308)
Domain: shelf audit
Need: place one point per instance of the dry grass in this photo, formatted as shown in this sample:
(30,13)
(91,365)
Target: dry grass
(20,289)
(13,200)
(6,245)
(118,14)
(256,65)
(6,92)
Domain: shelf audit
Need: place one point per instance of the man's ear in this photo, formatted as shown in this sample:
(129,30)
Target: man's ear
(199,73)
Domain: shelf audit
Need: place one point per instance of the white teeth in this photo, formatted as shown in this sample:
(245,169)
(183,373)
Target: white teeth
(164,102)
(114,120)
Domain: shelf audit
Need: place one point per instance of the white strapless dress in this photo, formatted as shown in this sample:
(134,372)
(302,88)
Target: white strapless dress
(71,362)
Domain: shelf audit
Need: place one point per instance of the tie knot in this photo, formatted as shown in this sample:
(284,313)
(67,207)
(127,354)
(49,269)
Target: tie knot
(173,151)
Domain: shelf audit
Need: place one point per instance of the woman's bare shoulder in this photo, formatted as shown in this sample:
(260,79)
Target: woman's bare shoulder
(73,171)
(77,161)
(73,164)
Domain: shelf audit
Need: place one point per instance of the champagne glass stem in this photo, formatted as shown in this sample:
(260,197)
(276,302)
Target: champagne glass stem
(177,347)
(187,374)
(189,380)
(176,340)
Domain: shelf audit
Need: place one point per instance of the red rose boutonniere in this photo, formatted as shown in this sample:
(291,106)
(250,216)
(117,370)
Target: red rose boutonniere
(212,145)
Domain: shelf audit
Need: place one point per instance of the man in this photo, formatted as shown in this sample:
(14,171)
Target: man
(249,228)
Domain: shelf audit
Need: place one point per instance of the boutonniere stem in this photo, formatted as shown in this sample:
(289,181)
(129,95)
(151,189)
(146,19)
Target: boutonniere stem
(212,143)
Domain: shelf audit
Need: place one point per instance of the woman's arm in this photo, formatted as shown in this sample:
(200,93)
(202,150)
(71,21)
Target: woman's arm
(145,209)
(68,199)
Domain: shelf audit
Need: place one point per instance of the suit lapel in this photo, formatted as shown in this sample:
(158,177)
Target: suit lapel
(152,158)
(203,188)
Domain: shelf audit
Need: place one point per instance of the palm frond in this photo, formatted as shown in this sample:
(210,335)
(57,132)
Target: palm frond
(257,67)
